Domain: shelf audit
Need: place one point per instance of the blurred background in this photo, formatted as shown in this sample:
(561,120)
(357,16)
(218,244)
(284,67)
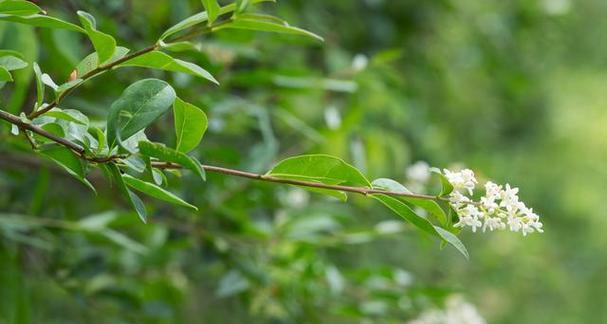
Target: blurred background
(512,89)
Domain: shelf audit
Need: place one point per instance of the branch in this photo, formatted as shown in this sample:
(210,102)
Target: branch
(90,75)
(209,168)
(302,183)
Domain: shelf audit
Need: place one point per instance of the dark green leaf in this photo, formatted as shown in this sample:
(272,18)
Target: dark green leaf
(155,191)
(166,154)
(131,197)
(68,161)
(429,205)
(140,105)
(190,125)
(401,209)
(163,61)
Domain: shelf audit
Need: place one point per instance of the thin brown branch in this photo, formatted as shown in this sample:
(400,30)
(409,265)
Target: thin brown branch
(91,74)
(302,183)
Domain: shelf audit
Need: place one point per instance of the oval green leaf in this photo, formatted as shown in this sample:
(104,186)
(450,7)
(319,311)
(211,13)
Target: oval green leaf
(190,125)
(155,191)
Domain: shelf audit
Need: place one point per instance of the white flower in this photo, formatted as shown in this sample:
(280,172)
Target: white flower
(461,180)
(499,208)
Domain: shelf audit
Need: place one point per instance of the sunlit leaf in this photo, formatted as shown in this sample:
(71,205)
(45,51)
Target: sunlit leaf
(267,24)
(18,7)
(155,191)
(190,125)
(42,21)
(212,8)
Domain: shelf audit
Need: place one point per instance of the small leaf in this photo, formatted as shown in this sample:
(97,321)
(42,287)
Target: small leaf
(163,61)
(39,86)
(140,105)
(267,24)
(199,18)
(166,154)
(42,21)
(11,62)
(446,186)
(190,125)
(68,115)
(18,7)
(212,8)
(401,209)
(5,76)
(91,61)
(131,197)
(68,161)
(104,44)
(155,191)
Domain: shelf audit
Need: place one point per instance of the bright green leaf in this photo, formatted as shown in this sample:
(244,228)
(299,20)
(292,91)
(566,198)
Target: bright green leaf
(140,105)
(199,18)
(163,61)
(190,125)
(166,154)
(155,191)
(446,186)
(267,24)
(19,7)
(42,21)
(104,44)
(212,8)
(39,85)
(5,75)
(91,61)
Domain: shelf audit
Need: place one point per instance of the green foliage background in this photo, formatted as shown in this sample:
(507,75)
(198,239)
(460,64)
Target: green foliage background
(513,89)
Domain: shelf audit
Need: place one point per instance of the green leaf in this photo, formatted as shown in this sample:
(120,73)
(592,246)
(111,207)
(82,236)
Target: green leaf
(201,17)
(140,105)
(68,161)
(155,191)
(5,76)
(131,197)
(11,62)
(104,44)
(429,205)
(190,125)
(166,154)
(19,7)
(91,61)
(68,115)
(401,209)
(42,21)
(212,8)
(163,61)
(39,86)
(446,187)
(267,24)
(320,168)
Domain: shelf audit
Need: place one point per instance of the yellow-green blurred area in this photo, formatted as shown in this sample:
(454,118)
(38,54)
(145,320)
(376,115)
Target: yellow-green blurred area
(515,90)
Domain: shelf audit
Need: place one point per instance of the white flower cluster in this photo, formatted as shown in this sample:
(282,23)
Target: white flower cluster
(498,209)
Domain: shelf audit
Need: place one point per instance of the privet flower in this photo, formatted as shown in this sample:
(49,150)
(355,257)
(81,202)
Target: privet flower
(498,209)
